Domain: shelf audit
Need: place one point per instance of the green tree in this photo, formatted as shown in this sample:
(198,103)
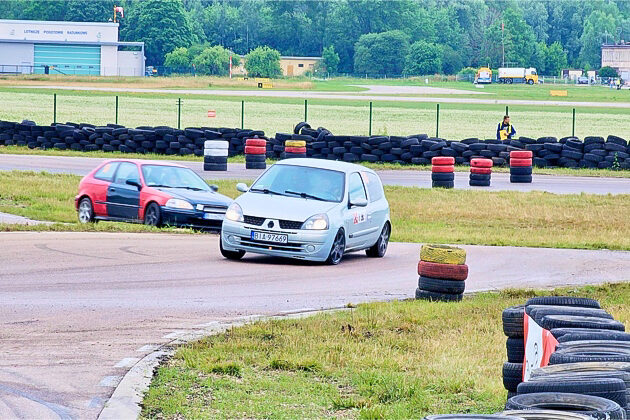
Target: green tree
(263,62)
(452,61)
(607,71)
(539,58)
(177,58)
(423,58)
(161,24)
(213,60)
(598,27)
(89,10)
(330,59)
(383,53)
(556,59)
(520,41)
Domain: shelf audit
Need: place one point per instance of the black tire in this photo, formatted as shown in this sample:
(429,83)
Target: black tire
(379,249)
(589,354)
(521,179)
(573,321)
(520,170)
(256,158)
(563,301)
(581,334)
(337,248)
(537,312)
(437,297)
(443,184)
(581,368)
(513,318)
(255,165)
(230,255)
(480,177)
(215,166)
(613,389)
(585,376)
(452,287)
(443,176)
(515,347)
(300,126)
(475,183)
(599,408)
(153,215)
(85,212)
(471,416)
(512,375)
(546,415)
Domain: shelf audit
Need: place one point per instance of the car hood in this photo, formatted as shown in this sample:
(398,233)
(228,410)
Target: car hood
(272,206)
(197,197)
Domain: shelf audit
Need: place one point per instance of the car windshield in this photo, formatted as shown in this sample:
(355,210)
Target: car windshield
(302,181)
(172,177)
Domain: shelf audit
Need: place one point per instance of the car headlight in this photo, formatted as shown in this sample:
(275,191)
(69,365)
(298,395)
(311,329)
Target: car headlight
(176,203)
(234,213)
(317,222)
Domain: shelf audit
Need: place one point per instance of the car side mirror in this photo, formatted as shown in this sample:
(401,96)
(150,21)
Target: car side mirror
(242,187)
(135,183)
(358,202)
(214,187)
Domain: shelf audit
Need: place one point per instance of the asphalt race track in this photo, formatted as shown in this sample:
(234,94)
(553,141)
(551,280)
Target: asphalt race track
(500,181)
(79,309)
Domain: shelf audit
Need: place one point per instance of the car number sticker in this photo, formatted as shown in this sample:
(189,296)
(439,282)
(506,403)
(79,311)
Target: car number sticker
(269,237)
(360,216)
(213,216)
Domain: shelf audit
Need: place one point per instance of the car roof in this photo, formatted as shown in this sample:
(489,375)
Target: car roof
(146,162)
(334,165)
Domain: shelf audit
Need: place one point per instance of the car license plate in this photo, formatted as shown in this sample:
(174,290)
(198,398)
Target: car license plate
(213,216)
(269,237)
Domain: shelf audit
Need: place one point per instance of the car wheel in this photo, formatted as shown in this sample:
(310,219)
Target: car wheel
(380,247)
(153,216)
(337,249)
(86,211)
(230,255)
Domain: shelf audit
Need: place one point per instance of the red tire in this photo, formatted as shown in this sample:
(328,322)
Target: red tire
(256,142)
(520,162)
(443,271)
(484,171)
(255,150)
(442,168)
(481,163)
(443,160)
(295,149)
(521,154)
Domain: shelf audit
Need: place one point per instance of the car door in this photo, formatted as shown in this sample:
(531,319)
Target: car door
(99,186)
(378,208)
(356,220)
(123,200)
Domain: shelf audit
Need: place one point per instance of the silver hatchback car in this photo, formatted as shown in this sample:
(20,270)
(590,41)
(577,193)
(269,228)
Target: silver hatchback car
(309,209)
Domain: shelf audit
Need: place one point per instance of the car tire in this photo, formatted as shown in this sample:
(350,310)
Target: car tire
(438,297)
(379,249)
(598,408)
(613,389)
(153,215)
(337,248)
(515,349)
(563,301)
(86,211)
(513,319)
(452,287)
(230,255)
(512,375)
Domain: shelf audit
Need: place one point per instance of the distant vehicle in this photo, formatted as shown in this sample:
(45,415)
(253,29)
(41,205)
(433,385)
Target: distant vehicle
(511,75)
(484,75)
(309,209)
(151,192)
(582,80)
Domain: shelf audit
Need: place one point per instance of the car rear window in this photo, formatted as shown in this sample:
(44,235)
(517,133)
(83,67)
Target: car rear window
(373,184)
(106,173)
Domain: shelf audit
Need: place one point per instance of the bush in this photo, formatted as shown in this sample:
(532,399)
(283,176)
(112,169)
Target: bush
(468,71)
(381,53)
(177,58)
(263,62)
(330,60)
(607,71)
(213,60)
(423,58)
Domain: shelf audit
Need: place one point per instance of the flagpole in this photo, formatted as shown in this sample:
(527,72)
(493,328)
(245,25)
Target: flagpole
(114,13)
(502,42)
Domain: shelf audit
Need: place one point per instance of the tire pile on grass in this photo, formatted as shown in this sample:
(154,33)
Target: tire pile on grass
(255,154)
(117,138)
(443,273)
(480,172)
(442,172)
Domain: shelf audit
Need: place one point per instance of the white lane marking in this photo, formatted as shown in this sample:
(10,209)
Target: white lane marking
(127,362)
(207,324)
(110,381)
(175,334)
(294,311)
(148,348)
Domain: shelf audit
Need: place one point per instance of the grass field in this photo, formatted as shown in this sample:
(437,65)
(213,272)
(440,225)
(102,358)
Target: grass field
(418,214)
(380,360)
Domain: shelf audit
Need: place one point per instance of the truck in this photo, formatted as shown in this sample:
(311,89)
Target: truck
(510,75)
(484,75)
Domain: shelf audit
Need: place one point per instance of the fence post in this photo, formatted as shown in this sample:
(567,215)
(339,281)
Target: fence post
(370,130)
(573,130)
(507,110)
(242,115)
(116,109)
(54,108)
(437,121)
(179,113)
(305,110)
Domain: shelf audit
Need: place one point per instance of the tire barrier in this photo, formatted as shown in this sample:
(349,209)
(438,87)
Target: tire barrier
(521,166)
(255,154)
(215,155)
(443,271)
(442,172)
(294,149)
(480,172)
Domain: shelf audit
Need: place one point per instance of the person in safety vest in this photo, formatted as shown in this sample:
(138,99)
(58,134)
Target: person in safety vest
(505,130)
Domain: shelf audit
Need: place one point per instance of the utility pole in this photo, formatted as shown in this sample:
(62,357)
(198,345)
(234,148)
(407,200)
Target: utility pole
(502,43)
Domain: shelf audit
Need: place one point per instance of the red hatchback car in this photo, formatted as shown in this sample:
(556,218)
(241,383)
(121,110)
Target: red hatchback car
(151,192)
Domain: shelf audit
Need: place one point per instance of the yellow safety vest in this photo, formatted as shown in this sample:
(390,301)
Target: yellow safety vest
(505,132)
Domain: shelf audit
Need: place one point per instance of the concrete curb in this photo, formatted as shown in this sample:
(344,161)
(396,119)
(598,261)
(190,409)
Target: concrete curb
(125,402)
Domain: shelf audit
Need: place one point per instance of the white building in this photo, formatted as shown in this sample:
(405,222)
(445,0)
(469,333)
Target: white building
(88,48)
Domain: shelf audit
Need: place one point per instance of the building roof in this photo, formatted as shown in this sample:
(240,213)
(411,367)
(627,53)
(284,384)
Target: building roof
(59,22)
(292,57)
(37,41)
(615,45)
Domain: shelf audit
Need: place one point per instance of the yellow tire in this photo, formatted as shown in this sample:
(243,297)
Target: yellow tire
(442,254)
(295,143)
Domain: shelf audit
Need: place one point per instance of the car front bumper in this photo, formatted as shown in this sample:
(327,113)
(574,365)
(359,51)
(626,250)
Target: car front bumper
(189,218)
(311,245)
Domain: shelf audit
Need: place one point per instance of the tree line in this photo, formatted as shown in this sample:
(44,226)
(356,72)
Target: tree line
(375,37)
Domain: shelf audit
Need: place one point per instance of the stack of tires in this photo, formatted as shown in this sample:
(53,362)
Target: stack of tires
(215,155)
(480,172)
(294,149)
(442,172)
(255,154)
(521,166)
(513,318)
(443,273)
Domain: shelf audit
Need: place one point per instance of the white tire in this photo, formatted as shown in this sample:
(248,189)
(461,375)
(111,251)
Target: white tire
(216,144)
(215,152)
